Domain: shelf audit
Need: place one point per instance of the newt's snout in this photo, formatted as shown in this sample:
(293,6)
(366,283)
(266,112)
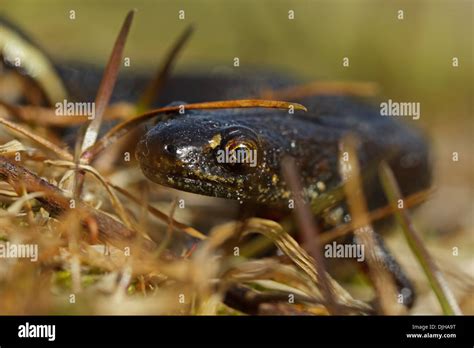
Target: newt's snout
(160,153)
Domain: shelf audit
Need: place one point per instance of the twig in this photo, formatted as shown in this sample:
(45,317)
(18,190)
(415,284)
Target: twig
(45,116)
(169,229)
(124,127)
(375,215)
(261,244)
(435,277)
(160,215)
(113,198)
(56,203)
(63,154)
(309,230)
(155,86)
(107,84)
(382,280)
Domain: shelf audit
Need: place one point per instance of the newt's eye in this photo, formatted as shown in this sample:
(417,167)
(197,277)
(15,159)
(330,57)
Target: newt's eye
(239,152)
(242,151)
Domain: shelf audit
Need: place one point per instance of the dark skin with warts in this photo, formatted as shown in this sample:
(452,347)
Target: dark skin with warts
(182,152)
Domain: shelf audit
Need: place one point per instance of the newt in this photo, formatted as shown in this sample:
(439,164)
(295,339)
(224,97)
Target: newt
(185,152)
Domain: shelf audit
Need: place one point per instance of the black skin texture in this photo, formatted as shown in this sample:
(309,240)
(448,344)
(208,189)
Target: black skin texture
(178,153)
(182,151)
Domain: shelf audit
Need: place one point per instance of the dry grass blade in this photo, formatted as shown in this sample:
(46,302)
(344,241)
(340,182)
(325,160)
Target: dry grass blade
(377,214)
(270,268)
(438,283)
(297,255)
(48,117)
(29,211)
(37,64)
(308,230)
(63,154)
(107,84)
(270,301)
(8,193)
(259,245)
(57,204)
(16,207)
(160,215)
(12,147)
(318,205)
(246,103)
(113,198)
(42,115)
(383,282)
(123,128)
(169,230)
(162,74)
(359,89)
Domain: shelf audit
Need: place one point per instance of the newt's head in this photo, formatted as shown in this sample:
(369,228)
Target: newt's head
(210,153)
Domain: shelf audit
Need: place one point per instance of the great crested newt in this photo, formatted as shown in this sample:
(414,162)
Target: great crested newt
(186,151)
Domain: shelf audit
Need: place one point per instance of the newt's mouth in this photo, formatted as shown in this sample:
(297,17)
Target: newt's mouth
(182,179)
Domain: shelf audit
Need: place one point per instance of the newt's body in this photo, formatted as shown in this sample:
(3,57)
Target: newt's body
(183,152)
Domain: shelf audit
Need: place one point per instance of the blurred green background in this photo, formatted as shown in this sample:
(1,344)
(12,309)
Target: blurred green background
(409,57)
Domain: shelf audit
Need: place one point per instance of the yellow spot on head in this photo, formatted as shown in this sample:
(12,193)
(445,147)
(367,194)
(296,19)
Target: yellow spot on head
(274,179)
(215,141)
